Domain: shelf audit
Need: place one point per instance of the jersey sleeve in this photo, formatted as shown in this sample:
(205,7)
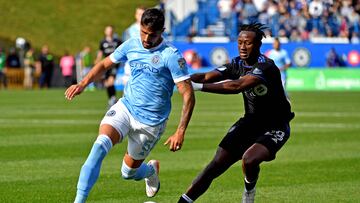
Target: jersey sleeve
(260,70)
(287,59)
(230,70)
(120,52)
(178,67)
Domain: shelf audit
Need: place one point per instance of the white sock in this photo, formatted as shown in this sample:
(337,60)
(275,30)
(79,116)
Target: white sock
(187,198)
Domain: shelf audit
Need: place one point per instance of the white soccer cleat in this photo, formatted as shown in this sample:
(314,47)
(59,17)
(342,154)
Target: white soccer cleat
(249,196)
(153,182)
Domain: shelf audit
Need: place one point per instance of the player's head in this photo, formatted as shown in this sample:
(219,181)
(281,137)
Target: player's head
(249,40)
(151,27)
(45,49)
(276,44)
(109,31)
(138,13)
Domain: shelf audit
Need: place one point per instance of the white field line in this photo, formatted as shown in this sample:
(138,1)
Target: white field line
(209,124)
(293,125)
(302,114)
(327,125)
(55,111)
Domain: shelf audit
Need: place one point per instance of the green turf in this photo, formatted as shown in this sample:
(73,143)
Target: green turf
(44,140)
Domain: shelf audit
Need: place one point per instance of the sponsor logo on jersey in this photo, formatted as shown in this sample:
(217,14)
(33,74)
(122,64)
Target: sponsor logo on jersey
(260,90)
(182,63)
(142,67)
(257,71)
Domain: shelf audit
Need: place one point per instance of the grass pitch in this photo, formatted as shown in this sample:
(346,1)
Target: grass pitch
(44,140)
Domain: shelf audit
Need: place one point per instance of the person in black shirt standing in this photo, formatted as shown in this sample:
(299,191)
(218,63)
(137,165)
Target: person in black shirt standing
(107,46)
(263,130)
(46,64)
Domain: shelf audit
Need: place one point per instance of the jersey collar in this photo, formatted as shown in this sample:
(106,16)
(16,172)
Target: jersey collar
(157,47)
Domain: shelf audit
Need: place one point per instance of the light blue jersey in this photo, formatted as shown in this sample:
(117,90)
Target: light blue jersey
(154,73)
(280,58)
(132,31)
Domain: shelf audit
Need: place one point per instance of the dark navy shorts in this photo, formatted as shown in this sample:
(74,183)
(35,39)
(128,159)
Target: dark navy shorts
(246,132)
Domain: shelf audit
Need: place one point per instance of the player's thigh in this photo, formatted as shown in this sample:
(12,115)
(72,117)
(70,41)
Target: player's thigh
(239,138)
(274,139)
(143,139)
(116,123)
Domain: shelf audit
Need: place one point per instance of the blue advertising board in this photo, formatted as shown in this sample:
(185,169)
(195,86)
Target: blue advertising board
(303,54)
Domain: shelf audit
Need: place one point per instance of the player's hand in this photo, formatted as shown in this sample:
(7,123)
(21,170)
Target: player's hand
(73,90)
(175,141)
(197,86)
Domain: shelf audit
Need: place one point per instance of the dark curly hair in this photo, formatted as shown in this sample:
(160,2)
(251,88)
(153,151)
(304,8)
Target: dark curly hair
(256,27)
(153,18)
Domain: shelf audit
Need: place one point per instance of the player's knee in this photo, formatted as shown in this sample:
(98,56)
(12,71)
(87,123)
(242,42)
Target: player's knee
(249,161)
(127,173)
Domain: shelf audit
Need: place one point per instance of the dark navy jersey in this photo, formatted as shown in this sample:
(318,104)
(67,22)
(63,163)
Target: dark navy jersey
(266,101)
(108,47)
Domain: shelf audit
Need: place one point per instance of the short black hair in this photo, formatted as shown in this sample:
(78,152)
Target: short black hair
(153,18)
(256,27)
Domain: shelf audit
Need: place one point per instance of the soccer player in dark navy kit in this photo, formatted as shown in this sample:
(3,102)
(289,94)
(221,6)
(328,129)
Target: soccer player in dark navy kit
(263,130)
(108,46)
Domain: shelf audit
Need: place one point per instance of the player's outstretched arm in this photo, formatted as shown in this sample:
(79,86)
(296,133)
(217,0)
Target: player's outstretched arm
(185,89)
(208,77)
(233,86)
(95,73)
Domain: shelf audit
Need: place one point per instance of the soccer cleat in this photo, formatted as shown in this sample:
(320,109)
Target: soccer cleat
(248,196)
(152,182)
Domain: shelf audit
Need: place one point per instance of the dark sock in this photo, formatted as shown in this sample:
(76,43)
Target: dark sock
(250,185)
(111,91)
(182,200)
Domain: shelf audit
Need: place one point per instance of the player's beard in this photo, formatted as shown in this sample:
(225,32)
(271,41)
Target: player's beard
(147,45)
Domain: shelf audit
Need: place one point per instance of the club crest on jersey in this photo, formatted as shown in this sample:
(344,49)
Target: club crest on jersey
(111,113)
(257,71)
(260,90)
(182,63)
(155,59)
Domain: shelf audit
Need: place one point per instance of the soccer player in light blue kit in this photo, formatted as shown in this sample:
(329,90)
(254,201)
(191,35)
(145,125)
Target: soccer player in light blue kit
(134,29)
(141,115)
(281,59)
(132,32)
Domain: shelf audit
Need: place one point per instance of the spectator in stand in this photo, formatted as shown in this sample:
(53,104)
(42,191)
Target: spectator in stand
(333,59)
(225,8)
(45,64)
(249,12)
(295,36)
(355,38)
(13,60)
(67,63)
(3,80)
(316,10)
(29,67)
